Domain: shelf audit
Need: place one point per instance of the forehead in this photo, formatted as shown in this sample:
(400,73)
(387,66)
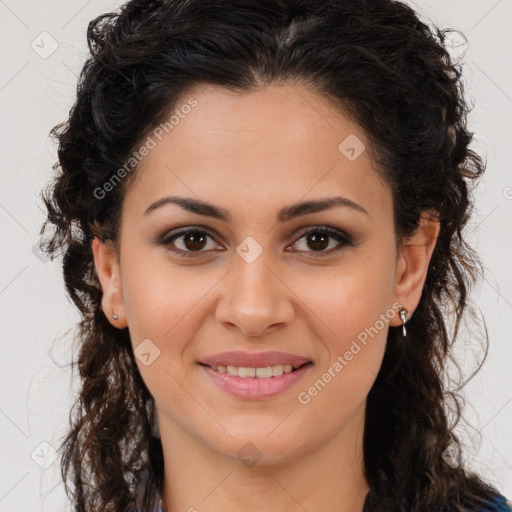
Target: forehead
(279,144)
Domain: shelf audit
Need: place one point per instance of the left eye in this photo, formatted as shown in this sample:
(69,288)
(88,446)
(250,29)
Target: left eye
(318,238)
(194,241)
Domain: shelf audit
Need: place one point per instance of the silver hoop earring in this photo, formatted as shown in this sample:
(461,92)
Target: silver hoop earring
(403,312)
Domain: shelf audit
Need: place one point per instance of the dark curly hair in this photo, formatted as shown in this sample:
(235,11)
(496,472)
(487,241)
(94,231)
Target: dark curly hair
(393,75)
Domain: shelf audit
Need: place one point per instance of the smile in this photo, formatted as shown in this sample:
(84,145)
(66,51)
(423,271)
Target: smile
(266,372)
(253,383)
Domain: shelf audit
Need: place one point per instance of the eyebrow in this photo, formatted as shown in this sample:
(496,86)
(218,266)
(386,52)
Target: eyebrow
(285,214)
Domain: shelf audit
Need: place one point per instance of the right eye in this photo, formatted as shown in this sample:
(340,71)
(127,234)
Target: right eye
(193,241)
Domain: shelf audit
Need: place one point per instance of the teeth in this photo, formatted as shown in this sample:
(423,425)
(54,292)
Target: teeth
(246,372)
(261,373)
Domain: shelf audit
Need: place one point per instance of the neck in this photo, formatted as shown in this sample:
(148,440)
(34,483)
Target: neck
(328,478)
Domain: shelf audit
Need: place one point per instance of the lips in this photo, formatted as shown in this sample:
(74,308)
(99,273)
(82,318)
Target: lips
(254,360)
(255,388)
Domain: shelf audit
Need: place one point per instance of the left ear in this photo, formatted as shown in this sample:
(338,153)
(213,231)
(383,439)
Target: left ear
(412,265)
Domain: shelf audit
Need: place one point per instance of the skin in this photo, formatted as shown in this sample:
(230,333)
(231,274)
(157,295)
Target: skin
(253,154)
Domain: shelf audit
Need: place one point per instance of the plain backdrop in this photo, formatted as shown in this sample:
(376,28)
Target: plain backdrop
(43,47)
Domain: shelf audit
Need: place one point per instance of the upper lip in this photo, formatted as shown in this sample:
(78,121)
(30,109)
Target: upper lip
(254,360)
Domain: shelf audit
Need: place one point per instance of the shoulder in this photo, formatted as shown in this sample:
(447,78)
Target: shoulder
(499,504)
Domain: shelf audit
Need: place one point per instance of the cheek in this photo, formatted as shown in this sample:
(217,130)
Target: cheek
(352,299)
(161,304)
(355,307)
(164,305)
(159,297)
(355,351)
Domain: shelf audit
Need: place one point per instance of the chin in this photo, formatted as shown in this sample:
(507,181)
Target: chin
(257,448)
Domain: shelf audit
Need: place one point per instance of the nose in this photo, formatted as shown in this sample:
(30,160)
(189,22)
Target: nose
(255,300)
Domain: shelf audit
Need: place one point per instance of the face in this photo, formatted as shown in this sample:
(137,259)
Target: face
(319,285)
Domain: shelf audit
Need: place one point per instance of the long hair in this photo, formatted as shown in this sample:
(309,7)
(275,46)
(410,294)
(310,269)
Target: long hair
(394,76)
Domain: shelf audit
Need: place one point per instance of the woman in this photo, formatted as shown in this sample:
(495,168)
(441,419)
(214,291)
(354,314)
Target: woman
(261,207)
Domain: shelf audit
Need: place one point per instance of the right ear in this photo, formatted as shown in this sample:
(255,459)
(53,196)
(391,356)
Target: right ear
(107,268)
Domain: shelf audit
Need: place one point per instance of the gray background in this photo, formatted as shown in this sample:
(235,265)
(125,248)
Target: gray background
(36,91)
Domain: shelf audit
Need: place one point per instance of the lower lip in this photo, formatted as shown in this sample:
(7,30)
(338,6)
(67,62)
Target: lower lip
(254,388)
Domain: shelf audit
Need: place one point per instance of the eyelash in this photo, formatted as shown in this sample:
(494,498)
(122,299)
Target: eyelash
(340,236)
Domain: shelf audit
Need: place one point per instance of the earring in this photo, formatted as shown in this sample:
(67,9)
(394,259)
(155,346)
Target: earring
(403,312)
(114,316)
